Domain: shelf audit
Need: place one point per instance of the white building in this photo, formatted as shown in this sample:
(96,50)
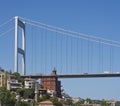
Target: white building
(13,84)
(30,83)
(51,92)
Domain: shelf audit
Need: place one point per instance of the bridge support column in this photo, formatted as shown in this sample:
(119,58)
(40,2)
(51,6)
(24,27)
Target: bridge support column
(18,50)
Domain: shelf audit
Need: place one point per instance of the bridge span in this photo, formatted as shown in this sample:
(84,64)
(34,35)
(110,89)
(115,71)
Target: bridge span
(73,76)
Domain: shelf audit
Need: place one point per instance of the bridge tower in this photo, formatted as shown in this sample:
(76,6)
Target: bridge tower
(19,23)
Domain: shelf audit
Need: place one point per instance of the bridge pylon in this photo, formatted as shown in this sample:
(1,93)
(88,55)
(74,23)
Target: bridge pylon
(18,50)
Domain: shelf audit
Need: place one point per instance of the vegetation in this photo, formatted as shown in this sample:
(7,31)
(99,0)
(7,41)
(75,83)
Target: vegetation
(22,103)
(104,103)
(26,93)
(44,97)
(18,77)
(78,103)
(6,97)
(68,102)
(88,100)
(55,101)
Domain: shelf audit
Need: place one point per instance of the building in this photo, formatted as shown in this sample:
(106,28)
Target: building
(30,82)
(45,103)
(112,102)
(3,78)
(75,100)
(42,92)
(9,81)
(52,84)
(13,84)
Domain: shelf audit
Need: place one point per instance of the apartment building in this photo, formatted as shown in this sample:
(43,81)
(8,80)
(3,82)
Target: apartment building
(52,84)
(3,78)
(30,82)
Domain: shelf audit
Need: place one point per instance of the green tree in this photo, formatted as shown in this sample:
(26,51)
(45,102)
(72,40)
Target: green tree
(104,103)
(18,77)
(55,102)
(20,92)
(16,74)
(22,103)
(29,93)
(68,101)
(88,100)
(26,93)
(44,97)
(78,103)
(6,98)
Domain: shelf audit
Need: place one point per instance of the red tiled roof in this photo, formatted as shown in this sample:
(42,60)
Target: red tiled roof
(29,79)
(47,102)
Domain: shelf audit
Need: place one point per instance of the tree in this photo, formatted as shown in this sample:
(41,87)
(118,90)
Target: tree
(29,93)
(78,103)
(16,74)
(69,101)
(18,77)
(22,103)
(88,100)
(55,102)
(44,97)
(104,103)
(6,98)
(26,93)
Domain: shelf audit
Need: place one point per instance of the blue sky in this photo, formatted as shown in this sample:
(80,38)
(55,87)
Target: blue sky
(94,17)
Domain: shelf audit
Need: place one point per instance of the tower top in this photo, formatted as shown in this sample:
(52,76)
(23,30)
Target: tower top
(54,72)
(16,17)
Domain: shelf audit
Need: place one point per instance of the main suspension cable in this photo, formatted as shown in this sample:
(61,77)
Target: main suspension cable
(72,33)
(9,30)
(3,24)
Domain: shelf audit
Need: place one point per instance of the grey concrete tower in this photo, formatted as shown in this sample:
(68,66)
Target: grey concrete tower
(19,23)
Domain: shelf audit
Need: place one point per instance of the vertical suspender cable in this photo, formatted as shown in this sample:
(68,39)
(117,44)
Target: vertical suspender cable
(71,55)
(51,51)
(81,56)
(66,54)
(61,54)
(56,47)
(92,57)
(35,35)
(77,57)
(45,54)
(102,57)
(41,59)
(111,58)
(112,68)
(32,52)
(99,63)
(88,53)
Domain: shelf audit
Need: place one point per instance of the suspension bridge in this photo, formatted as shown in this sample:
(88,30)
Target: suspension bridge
(39,48)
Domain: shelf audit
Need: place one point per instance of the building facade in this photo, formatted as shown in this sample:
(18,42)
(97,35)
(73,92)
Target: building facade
(52,84)
(45,103)
(3,78)
(30,83)
(13,85)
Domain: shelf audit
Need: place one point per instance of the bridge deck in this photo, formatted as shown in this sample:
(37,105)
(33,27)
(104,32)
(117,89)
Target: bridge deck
(73,76)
